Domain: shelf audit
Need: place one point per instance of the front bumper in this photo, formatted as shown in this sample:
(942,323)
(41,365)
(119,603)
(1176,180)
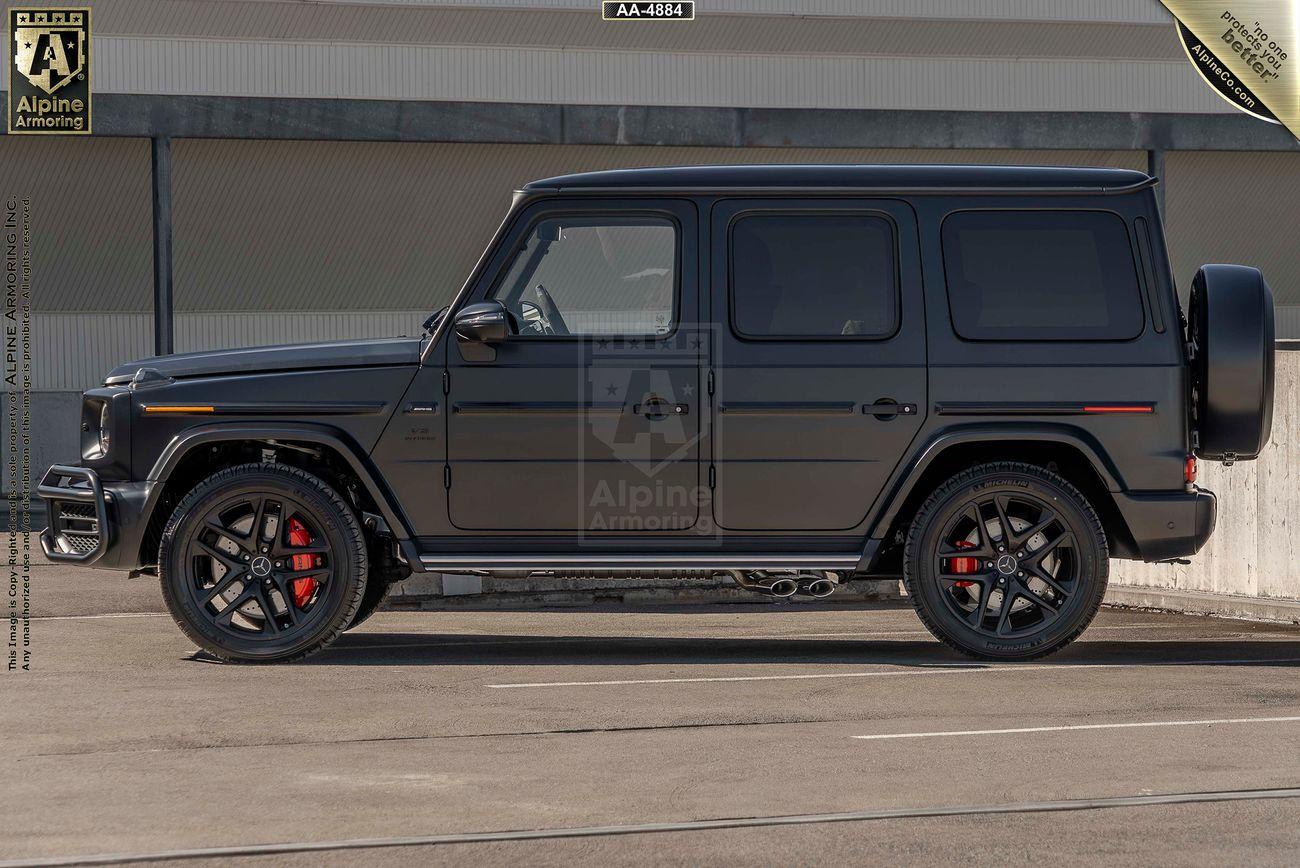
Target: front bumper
(1167,525)
(91,524)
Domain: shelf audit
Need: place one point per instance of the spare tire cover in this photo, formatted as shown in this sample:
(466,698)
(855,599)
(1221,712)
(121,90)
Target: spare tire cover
(1231,336)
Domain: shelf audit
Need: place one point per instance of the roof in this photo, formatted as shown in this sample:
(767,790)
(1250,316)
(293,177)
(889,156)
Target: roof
(915,178)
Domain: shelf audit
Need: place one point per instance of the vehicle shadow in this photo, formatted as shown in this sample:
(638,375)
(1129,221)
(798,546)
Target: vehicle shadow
(460,649)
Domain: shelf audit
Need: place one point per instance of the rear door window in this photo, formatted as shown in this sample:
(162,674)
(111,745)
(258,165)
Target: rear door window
(813,276)
(1041,276)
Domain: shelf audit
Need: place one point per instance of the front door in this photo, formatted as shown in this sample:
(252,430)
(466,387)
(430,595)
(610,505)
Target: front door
(587,420)
(819,358)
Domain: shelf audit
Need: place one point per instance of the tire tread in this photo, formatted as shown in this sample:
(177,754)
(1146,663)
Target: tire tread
(968,476)
(292,475)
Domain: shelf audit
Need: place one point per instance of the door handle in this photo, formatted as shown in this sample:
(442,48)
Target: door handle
(656,408)
(888,408)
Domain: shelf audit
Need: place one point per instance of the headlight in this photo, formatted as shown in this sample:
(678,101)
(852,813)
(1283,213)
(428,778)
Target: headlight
(106,431)
(105,437)
(96,427)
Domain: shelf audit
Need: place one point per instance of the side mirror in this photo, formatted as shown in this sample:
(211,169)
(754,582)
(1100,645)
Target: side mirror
(478,326)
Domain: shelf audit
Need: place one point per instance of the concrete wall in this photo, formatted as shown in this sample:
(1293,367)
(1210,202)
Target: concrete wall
(1255,550)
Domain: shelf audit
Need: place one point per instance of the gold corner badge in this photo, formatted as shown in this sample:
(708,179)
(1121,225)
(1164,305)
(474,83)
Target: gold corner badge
(1246,51)
(49,81)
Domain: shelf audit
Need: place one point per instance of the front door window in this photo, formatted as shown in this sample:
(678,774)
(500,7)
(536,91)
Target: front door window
(593,276)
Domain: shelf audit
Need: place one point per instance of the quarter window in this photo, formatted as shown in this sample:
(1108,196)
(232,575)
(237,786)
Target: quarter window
(813,275)
(1041,276)
(594,276)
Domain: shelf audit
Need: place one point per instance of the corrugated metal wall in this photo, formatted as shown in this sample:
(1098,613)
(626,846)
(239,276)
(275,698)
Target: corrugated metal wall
(1223,206)
(92,252)
(367,238)
(171,16)
(996,55)
(267,232)
(522,74)
(92,273)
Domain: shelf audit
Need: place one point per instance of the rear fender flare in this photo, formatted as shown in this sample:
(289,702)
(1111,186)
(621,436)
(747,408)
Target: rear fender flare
(910,471)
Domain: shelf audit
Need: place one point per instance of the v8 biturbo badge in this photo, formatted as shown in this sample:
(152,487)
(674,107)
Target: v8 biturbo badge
(49,90)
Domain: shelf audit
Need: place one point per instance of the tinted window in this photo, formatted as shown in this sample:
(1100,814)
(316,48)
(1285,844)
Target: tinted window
(813,275)
(1041,276)
(603,276)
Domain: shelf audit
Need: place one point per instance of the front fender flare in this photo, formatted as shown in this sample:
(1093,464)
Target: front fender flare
(325,435)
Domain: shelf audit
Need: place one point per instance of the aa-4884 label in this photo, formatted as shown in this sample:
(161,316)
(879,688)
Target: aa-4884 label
(619,10)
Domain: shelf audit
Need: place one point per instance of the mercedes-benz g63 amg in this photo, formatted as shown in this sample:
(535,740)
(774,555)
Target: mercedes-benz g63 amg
(977,378)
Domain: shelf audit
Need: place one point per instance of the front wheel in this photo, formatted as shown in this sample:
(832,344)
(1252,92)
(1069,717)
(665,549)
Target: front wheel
(1006,561)
(262,563)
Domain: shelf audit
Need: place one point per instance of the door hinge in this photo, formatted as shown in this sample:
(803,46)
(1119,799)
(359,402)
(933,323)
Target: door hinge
(446,381)
(710,381)
(713,476)
(446,476)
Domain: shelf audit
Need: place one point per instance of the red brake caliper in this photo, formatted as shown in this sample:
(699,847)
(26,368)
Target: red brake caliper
(964,566)
(302,588)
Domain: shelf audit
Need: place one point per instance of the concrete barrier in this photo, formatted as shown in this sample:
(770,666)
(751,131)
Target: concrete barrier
(1251,566)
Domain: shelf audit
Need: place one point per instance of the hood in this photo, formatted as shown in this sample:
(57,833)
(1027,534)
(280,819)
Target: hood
(282,357)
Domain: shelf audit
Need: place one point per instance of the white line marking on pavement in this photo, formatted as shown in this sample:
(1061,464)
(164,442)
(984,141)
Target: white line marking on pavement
(99,617)
(1078,726)
(922,669)
(1057,806)
(487,639)
(719,679)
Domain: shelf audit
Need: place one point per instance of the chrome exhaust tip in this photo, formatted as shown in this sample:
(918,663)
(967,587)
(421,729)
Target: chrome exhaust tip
(820,588)
(783,588)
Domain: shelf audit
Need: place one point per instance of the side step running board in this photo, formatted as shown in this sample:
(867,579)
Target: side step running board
(648,562)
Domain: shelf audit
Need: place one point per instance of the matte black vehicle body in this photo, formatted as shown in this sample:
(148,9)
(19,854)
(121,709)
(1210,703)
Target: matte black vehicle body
(474,447)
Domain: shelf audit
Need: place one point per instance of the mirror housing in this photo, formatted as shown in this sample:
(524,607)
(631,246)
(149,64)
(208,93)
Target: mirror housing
(480,325)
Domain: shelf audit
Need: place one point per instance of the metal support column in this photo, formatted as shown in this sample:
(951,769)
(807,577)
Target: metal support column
(164,340)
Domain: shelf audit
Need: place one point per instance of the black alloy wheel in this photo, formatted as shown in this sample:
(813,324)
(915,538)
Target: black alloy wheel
(262,563)
(1006,561)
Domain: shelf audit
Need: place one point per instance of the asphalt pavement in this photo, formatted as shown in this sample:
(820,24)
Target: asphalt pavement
(757,734)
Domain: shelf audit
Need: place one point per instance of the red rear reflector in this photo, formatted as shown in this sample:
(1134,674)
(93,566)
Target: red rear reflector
(1119,408)
(1189,469)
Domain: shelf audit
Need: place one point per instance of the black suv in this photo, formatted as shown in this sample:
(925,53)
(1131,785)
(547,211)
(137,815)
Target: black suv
(978,378)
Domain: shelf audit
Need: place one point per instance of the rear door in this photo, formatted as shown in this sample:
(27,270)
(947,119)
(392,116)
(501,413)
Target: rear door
(818,358)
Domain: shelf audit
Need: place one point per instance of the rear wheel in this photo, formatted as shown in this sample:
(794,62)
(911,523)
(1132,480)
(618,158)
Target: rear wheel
(262,563)
(376,590)
(1006,561)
